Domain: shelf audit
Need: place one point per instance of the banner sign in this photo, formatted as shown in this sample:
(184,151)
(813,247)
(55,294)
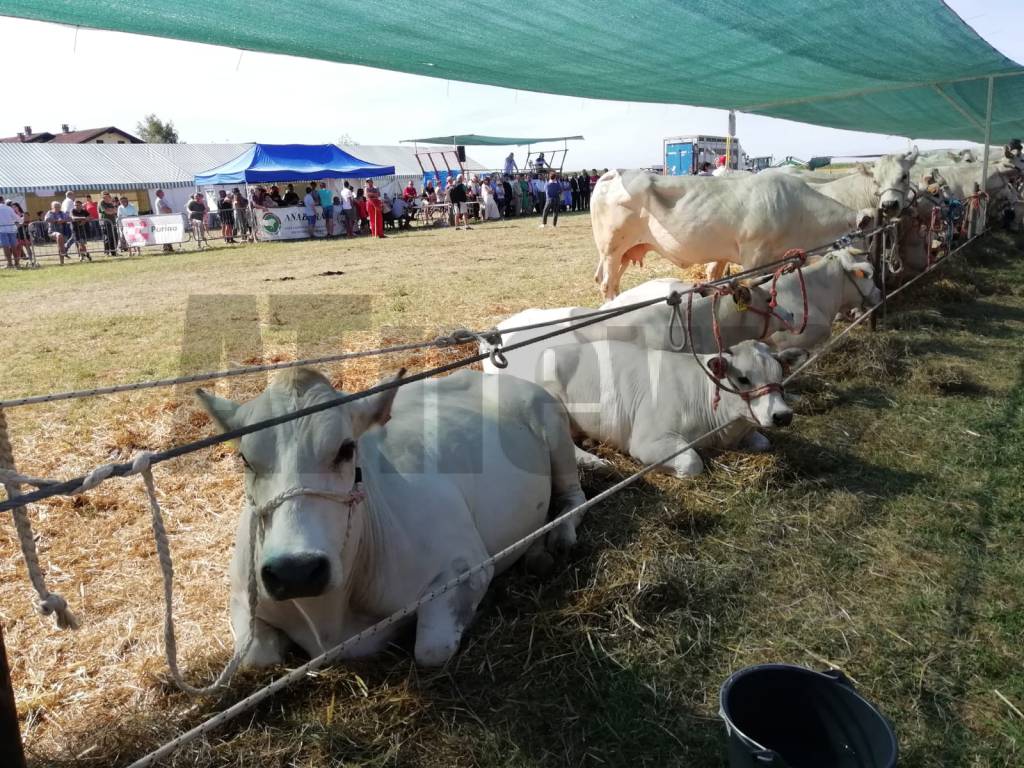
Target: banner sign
(291,223)
(153,230)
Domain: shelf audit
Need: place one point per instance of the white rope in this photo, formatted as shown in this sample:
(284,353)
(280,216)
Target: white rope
(49,603)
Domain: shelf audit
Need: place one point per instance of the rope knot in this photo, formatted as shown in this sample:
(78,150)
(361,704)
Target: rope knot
(57,606)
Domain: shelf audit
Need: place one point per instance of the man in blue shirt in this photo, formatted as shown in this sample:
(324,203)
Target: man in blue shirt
(552,199)
(327,203)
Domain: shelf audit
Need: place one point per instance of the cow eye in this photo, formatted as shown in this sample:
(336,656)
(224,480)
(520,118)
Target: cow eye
(345,452)
(744,381)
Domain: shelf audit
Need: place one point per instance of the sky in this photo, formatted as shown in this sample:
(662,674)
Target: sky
(245,96)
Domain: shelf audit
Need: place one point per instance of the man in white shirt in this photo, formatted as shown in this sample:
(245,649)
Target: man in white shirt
(309,203)
(721,168)
(348,208)
(162,208)
(66,206)
(126,209)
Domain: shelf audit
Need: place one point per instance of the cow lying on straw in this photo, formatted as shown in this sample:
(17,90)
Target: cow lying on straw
(453,470)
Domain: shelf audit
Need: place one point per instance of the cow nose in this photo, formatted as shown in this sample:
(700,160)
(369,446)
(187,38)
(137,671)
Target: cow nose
(782,418)
(289,576)
(890,206)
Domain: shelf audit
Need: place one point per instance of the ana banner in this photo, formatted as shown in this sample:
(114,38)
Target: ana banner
(291,223)
(153,230)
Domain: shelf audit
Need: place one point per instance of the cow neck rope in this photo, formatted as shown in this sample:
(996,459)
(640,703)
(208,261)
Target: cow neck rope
(744,394)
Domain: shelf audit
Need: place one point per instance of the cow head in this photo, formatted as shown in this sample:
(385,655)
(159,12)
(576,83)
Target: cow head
(859,289)
(891,175)
(754,370)
(298,474)
(756,296)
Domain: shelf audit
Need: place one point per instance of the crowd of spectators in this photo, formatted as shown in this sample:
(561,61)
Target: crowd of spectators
(455,200)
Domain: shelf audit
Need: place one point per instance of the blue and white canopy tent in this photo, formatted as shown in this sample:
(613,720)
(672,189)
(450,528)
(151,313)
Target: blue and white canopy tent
(268,163)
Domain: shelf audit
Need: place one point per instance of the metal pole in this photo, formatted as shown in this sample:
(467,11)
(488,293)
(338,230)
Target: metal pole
(983,210)
(11,752)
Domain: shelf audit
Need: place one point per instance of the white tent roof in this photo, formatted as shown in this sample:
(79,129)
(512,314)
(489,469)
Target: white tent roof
(56,167)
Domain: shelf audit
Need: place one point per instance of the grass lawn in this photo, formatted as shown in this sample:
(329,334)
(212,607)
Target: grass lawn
(881,536)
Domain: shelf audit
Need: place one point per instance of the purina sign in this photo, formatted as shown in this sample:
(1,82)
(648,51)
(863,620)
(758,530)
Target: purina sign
(153,230)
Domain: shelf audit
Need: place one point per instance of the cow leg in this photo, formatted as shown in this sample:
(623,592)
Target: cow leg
(686,464)
(441,622)
(588,460)
(755,442)
(715,270)
(269,644)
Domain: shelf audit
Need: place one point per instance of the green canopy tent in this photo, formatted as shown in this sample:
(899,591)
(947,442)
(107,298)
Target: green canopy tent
(911,69)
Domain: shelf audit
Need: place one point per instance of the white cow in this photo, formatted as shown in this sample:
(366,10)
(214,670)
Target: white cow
(744,314)
(885,185)
(837,283)
(746,219)
(649,403)
(467,465)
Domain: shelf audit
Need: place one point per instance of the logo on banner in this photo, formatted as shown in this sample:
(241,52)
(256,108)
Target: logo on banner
(271,224)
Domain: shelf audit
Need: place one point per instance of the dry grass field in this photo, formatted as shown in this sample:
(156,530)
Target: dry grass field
(881,536)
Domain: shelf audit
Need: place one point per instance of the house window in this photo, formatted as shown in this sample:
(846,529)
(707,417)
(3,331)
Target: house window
(99,141)
(120,142)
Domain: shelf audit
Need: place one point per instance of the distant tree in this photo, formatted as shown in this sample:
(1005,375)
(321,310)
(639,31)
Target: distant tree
(154,131)
(346,139)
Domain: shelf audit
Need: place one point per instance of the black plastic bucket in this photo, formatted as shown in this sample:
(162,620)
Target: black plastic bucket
(785,716)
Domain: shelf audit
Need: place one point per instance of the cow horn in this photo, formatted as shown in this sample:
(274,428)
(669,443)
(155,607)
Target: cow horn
(855,251)
(912,155)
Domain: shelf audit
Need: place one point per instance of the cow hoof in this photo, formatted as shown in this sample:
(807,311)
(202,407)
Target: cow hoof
(539,562)
(561,539)
(755,442)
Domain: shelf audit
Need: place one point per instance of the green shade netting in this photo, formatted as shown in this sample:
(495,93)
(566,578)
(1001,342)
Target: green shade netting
(473,140)
(910,68)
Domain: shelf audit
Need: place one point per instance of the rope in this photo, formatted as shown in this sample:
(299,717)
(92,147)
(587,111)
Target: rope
(456,338)
(49,602)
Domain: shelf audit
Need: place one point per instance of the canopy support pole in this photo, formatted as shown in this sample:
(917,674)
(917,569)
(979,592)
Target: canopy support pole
(983,204)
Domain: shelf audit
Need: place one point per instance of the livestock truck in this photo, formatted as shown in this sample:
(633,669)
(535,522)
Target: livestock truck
(684,155)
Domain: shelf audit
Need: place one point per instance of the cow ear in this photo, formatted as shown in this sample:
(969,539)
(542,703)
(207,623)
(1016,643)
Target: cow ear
(866,220)
(221,410)
(863,170)
(912,155)
(375,409)
(719,366)
(791,359)
(741,296)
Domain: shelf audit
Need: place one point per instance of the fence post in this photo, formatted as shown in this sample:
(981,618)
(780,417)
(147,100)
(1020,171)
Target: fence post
(876,259)
(11,752)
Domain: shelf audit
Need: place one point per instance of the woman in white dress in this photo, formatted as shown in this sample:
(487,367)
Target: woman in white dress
(489,208)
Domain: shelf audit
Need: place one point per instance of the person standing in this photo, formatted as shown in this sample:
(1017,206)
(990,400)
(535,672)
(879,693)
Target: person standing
(56,229)
(510,205)
(362,211)
(574,188)
(227,217)
(374,210)
(108,223)
(327,204)
(162,208)
(510,164)
(583,185)
(291,198)
(459,200)
(9,221)
(240,215)
(488,207)
(80,227)
(524,195)
(309,203)
(197,219)
(552,200)
(348,208)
